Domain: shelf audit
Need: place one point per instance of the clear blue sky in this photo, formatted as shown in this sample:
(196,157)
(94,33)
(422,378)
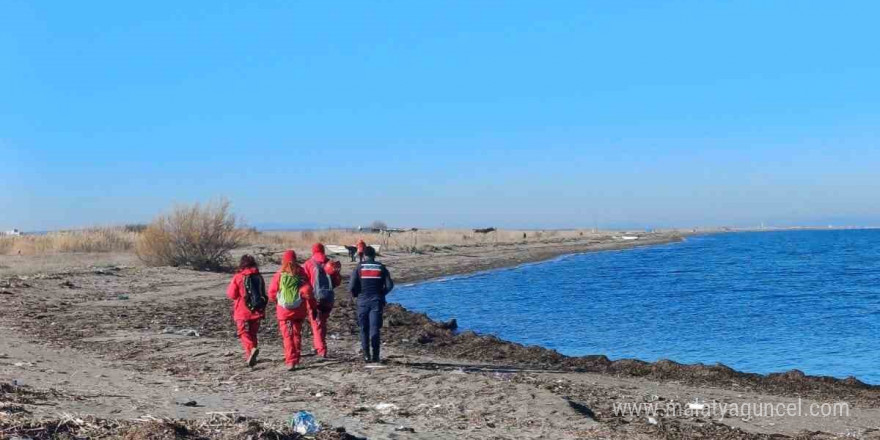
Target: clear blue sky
(514,114)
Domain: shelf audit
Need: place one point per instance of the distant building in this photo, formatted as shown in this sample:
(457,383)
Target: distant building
(14,232)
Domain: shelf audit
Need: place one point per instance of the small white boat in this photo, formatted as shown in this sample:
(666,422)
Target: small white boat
(629,237)
(339,249)
(336,249)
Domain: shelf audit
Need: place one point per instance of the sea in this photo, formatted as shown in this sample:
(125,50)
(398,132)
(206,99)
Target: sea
(759,302)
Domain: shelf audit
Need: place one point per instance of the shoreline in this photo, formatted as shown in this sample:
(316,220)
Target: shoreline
(522,253)
(623,247)
(717,374)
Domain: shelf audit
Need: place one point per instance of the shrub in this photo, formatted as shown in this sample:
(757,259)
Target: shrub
(194,236)
(136,228)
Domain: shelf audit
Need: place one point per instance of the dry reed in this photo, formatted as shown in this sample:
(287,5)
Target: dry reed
(409,241)
(89,240)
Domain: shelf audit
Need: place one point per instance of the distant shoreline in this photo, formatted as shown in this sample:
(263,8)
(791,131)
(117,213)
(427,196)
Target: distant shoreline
(618,246)
(534,253)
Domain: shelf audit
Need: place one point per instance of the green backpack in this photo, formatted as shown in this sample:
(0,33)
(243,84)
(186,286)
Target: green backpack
(288,296)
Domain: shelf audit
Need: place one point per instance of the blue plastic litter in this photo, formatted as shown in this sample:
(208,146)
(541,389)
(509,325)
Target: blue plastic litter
(304,423)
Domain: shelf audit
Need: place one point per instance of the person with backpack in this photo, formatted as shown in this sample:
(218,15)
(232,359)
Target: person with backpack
(247,290)
(292,294)
(370,283)
(323,277)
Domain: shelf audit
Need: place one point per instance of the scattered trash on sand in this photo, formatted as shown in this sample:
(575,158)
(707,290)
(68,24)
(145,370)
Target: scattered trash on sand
(107,270)
(404,429)
(14,283)
(696,406)
(505,376)
(190,403)
(68,285)
(122,297)
(304,423)
(652,420)
(386,408)
(181,332)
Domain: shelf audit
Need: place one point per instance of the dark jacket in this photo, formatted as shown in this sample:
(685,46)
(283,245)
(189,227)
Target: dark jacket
(370,281)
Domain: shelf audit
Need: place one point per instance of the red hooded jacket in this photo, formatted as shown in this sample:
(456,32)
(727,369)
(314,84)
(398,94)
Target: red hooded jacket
(311,271)
(236,293)
(308,304)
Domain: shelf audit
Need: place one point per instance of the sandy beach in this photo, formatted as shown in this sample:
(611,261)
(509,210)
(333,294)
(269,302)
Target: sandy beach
(88,339)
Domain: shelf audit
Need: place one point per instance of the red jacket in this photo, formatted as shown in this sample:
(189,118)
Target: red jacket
(304,309)
(236,293)
(309,267)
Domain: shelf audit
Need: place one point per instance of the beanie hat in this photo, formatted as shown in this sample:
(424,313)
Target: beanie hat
(289,256)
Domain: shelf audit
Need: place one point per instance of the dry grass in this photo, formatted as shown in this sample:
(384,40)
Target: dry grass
(202,237)
(195,236)
(89,240)
(421,240)
(153,242)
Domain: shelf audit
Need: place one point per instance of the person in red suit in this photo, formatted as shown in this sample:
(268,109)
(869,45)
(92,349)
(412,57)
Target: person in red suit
(323,276)
(291,291)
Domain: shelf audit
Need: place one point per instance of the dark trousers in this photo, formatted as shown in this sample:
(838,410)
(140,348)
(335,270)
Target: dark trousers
(370,322)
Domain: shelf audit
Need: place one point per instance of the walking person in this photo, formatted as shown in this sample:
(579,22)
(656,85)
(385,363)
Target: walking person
(361,245)
(292,294)
(370,283)
(323,276)
(247,290)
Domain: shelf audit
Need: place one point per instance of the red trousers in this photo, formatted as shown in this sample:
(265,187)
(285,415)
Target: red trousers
(291,336)
(247,334)
(319,330)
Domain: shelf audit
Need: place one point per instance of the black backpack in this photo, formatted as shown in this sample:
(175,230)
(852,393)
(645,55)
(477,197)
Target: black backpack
(255,292)
(323,288)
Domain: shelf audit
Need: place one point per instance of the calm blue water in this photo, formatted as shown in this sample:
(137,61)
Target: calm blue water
(760,302)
